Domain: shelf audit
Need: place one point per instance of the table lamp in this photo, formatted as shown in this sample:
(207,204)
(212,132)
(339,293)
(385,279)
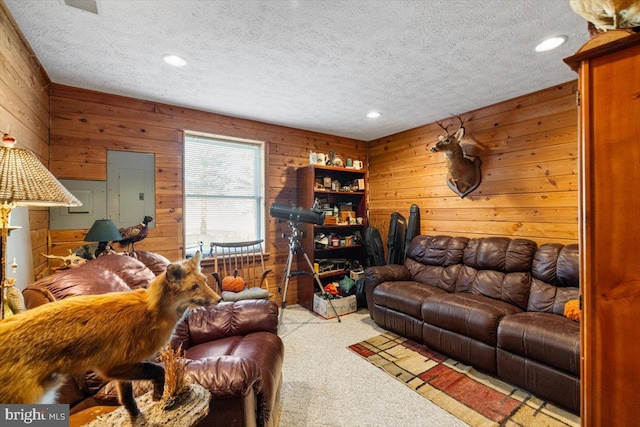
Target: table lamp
(24,181)
(102,231)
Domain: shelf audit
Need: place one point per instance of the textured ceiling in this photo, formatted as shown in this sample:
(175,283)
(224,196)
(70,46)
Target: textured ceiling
(312,64)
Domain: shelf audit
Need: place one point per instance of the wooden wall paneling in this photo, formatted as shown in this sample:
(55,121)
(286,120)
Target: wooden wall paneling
(84,124)
(24,112)
(65,137)
(529,172)
(23,74)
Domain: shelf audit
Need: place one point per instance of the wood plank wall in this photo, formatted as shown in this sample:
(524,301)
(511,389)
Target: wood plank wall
(85,124)
(528,146)
(24,113)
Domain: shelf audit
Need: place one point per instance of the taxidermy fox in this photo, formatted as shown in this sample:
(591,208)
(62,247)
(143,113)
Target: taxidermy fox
(112,334)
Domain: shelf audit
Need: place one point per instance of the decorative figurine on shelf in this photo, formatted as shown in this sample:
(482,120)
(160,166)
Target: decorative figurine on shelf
(330,158)
(334,160)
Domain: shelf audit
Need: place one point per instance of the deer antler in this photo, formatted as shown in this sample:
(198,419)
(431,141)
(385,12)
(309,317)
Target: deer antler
(461,121)
(445,129)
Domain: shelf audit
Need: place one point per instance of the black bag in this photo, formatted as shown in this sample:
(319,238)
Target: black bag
(373,247)
(413,228)
(395,241)
(361,296)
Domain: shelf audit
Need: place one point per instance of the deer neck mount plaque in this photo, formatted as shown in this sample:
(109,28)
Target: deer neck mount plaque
(463,174)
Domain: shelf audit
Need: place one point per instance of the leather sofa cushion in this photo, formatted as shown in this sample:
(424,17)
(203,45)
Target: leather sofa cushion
(87,279)
(445,278)
(132,271)
(547,338)
(437,250)
(474,316)
(509,287)
(556,277)
(498,268)
(404,296)
(550,299)
(557,265)
(155,262)
(204,325)
(219,347)
(500,254)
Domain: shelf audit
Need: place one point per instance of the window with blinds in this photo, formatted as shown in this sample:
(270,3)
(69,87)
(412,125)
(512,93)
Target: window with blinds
(224,191)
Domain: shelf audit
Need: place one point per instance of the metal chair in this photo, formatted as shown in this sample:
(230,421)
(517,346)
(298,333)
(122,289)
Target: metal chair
(248,259)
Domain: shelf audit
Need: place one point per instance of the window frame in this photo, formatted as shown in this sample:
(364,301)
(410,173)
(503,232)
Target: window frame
(263,162)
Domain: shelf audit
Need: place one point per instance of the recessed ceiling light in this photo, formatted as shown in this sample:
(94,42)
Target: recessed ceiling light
(551,43)
(374,114)
(174,60)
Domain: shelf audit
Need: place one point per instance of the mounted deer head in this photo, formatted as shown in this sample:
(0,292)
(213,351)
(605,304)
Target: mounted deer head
(463,171)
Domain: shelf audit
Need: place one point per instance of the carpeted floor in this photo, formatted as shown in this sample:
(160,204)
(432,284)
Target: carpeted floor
(327,385)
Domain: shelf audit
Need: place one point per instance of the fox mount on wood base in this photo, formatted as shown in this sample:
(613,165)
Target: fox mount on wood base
(464,174)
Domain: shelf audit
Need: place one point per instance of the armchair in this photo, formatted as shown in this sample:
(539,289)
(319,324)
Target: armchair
(234,351)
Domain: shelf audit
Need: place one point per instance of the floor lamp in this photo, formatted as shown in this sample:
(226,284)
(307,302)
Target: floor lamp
(24,181)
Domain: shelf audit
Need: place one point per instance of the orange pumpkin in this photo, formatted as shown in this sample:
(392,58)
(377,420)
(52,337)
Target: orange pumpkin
(572,309)
(233,283)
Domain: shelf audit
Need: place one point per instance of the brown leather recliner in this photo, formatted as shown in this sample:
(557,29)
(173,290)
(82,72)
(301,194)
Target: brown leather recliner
(232,349)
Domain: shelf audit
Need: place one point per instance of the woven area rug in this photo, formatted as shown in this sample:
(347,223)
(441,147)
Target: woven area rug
(476,398)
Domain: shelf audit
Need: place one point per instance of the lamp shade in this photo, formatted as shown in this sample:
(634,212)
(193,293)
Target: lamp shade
(25,181)
(103,230)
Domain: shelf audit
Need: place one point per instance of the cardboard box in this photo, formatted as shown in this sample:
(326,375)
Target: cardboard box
(330,220)
(344,305)
(356,274)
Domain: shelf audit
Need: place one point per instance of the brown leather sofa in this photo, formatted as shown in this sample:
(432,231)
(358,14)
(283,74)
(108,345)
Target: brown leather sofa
(494,303)
(232,349)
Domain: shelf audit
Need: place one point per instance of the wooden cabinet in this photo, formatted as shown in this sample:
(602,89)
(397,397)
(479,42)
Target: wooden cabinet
(339,245)
(609,82)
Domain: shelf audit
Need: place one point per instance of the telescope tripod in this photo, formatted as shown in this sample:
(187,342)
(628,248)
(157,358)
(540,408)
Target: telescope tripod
(294,248)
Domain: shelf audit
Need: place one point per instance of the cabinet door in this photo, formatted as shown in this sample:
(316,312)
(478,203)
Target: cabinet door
(610,236)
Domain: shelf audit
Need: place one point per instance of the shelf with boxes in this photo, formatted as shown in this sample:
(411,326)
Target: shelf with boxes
(335,247)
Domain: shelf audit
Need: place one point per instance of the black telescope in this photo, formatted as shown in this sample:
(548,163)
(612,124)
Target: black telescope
(295,214)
